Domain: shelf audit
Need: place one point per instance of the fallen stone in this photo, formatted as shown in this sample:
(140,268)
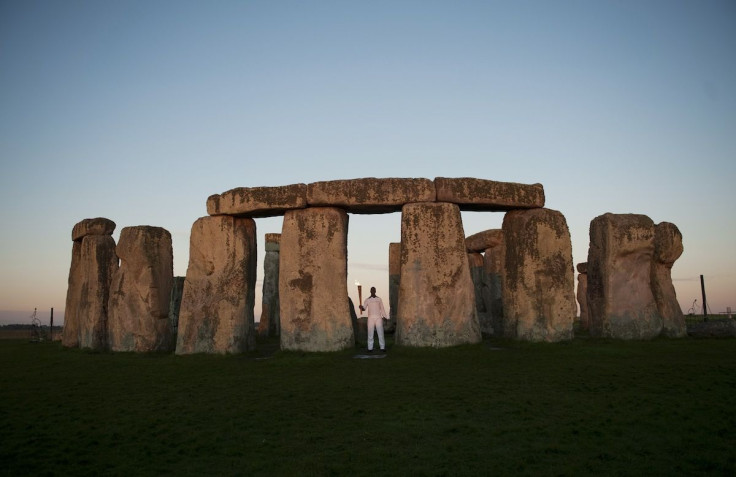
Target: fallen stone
(485,195)
(482,241)
(436,300)
(258,201)
(313,281)
(538,298)
(97,226)
(216,314)
(370,195)
(620,300)
(98,264)
(667,249)
(140,291)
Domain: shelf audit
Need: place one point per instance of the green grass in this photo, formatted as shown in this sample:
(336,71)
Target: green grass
(665,407)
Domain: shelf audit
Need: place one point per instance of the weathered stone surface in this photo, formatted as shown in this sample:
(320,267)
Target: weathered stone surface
(177,290)
(370,195)
(313,281)
(667,249)
(481,241)
(140,292)
(481,194)
(493,276)
(360,326)
(394,279)
(216,314)
(620,300)
(538,289)
(258,201)
(98,264)
(582,295)
(70,334)
(477,275)
(270,322)
(436,302)
(273,242)
(97,226)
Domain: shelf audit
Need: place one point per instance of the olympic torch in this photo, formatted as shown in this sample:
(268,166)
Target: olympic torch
(360,297)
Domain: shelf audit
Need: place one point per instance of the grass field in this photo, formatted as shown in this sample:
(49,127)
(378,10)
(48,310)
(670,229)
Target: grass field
(665,407)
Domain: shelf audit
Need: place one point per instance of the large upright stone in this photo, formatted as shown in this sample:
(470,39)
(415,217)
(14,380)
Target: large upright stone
(481,194)
(494,259)
(436,299)
(582,295)
(477,275)
(313,281)
(177,291)
(270,323)
(74,294)
(216,314)
(538,290)
(620,299)
(394,279)
(370,195)
(667,249)
(258,201)
(140,292)
(70,334)
(98,264)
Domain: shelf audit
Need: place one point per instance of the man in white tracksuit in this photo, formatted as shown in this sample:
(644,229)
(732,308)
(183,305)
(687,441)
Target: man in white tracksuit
(376,315)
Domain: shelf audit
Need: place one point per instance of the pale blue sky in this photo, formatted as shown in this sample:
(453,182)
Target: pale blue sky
(138,111)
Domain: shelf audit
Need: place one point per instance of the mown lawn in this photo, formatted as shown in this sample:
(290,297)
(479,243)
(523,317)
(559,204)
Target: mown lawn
(587,407)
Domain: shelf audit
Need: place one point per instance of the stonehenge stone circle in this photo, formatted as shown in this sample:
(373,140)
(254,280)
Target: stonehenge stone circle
(216,314)
(313,281)
(667,249)
(582,295)
(620,299)
(98,264)
(140,292)
(436,302)
(538,300)
(270,323)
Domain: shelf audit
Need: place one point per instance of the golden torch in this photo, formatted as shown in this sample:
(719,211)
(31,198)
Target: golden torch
(360,297)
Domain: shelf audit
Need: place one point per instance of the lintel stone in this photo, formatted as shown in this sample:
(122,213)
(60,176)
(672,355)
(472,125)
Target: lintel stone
(258,201)
(370,195)
(486,195)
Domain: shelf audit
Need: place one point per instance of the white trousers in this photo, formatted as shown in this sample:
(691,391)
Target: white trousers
(377,324)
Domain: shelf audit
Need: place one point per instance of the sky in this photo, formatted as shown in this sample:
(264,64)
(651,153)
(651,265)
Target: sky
(139,110)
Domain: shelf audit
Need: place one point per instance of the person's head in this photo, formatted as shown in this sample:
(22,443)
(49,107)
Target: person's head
(373,291)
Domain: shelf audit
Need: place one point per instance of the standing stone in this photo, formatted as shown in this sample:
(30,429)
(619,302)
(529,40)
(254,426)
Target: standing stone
(538,289)
(436,299)
(270,323)
(216,314)
(667,249)
(494,259)
(477,275)
(98,264)
(70,334)
(177,290)
(313,281)
(96,226)
(583,295)
(140,292)
(620,300)
(394,279)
